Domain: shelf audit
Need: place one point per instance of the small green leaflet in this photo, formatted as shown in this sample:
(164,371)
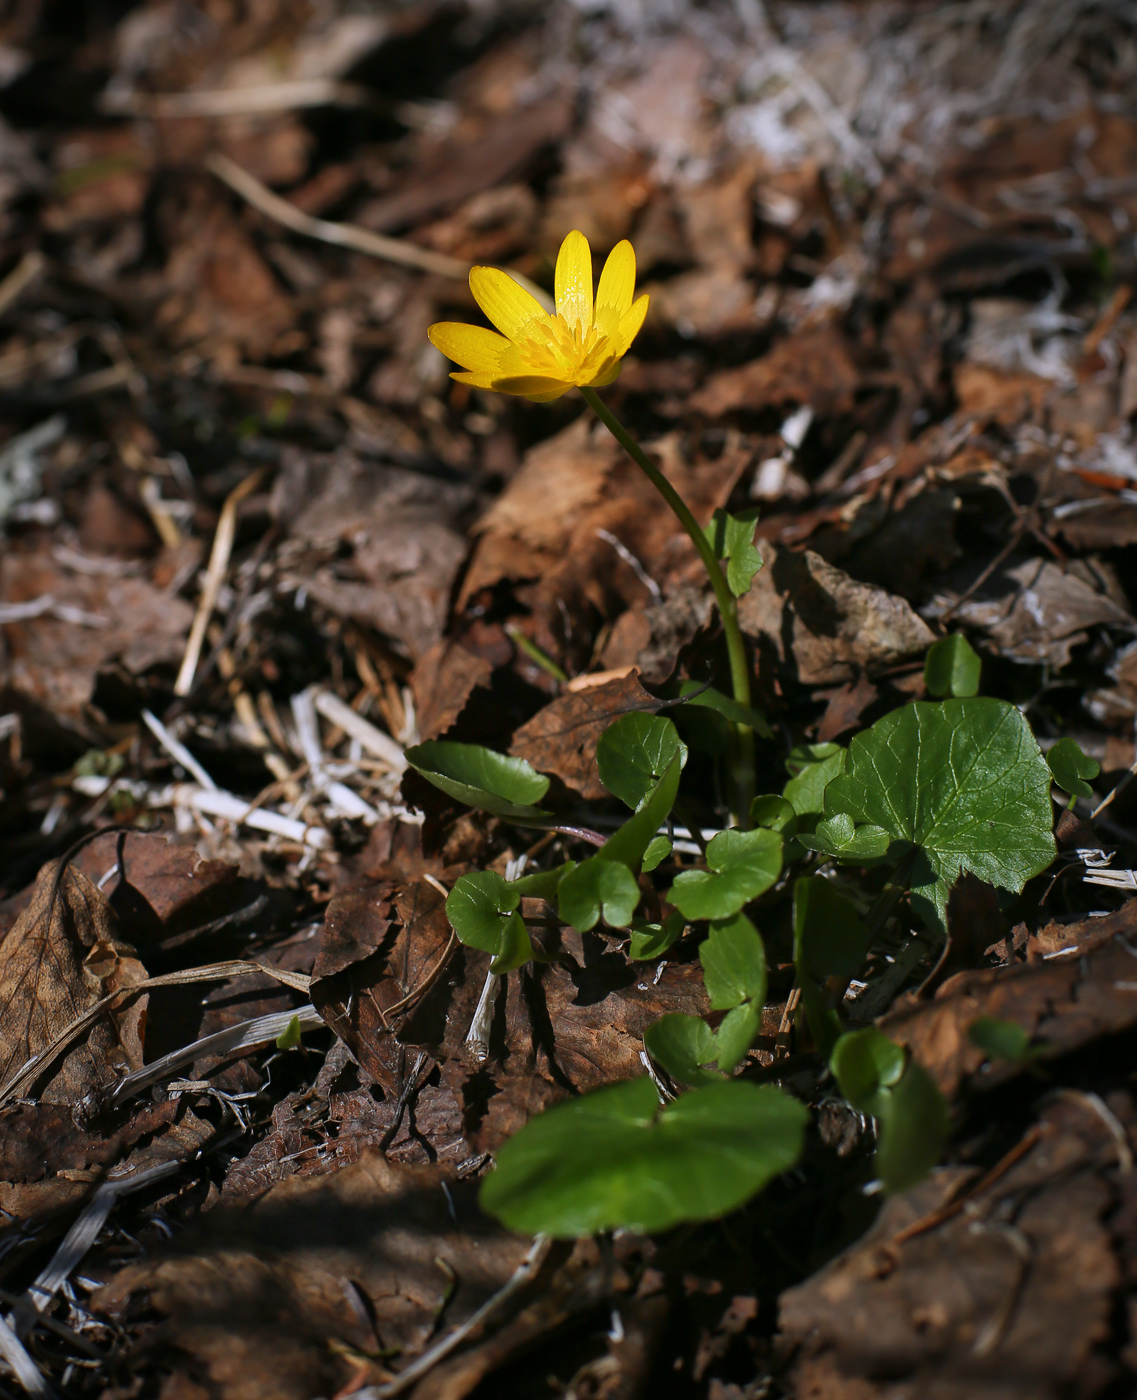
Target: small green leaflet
(812,768)
(839,839)
(743,865)
(653,940)
(481,778)
(635,752)
(732,539)
(1071,768)
(289,1038)
(614,1158)
(683,1045)
(482,909)
(952,668)
(964,781)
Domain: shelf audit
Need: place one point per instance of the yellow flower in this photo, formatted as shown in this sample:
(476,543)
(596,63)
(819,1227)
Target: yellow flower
(538,355)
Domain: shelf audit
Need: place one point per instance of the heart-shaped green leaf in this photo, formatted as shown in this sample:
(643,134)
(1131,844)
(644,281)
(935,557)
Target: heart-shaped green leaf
(479,777)
(1071,768)
(482,909)
(634,753)
(683,1045)
(736,1033)
(615,1158)
(964,782)
(732,539)
(734,963)
(829,938)
(952,668)
(838,838)
(596,889)
(743,865)
(864,1063)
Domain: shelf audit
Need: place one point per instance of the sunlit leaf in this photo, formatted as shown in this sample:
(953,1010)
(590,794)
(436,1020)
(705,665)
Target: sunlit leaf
(615,1158)
(733,958)
(812,768)
(838,838)
(479,777)
(635,752)
(732,539)
(683,1045)
(743,865)
(736,1033)
(596,889)
(952,668)
(653,940)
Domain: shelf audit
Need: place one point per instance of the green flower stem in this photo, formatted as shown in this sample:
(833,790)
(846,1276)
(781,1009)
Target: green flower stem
(742,736)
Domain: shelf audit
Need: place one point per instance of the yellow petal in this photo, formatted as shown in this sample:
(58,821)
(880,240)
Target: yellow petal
(574,283)
(629,327)
(608,372)
(617,284)
(510,307)
(538,387)
(475,379)
(473,347)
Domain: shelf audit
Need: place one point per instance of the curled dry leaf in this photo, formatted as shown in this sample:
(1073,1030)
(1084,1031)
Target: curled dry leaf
(62,955)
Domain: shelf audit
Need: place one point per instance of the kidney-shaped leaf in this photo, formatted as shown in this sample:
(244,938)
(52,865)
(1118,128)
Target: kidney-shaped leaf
(479,777)
(683,1045)
(965,782)
(482,909)
(1071,768)
(615,1158)
(635,752)
(743,865)
(596,888)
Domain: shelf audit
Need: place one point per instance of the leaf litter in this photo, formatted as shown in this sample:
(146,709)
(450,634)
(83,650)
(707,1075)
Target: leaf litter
(257,546)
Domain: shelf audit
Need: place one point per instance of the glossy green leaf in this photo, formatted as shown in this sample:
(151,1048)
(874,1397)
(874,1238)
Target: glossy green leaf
(1071,768)
(629,844)
(708,698)
(733,958)
(653,940)
(964,782)
(477,907)
(596,889)
(914,1126)
(830,940)
(542,884)
(812,767)
(732,539)
(658,849)
(838,838)
(952,668)
(514,948)
(683,1045)
(864,1064)
(743,865)
(479,777)
(774,812)
(634,753)
(615,1158)
(736,1033)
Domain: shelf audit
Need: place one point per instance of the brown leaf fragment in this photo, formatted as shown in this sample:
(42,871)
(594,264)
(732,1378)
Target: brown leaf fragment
(1084,989)
(829,625)
(651,638)
(562,737)
(813,367)
(376,952)
(844,707)
(443,680)
(975,1306)
(264,1299)
(61,956)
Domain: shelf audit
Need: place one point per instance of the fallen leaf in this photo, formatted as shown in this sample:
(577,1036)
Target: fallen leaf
(442,681)
(813,368)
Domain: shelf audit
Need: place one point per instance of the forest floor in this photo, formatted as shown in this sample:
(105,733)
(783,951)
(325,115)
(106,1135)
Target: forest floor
(254,543)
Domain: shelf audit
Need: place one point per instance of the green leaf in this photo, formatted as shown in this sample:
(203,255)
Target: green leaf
(829,938)
(708,698)
(596,888)
(865,1063)
(635,752)
(774,812)
(736,1034)
(481,778)
(1071,767)
(542,884)
(630,843)
(1002,1040)
(658,849)
(914,1127)
(653,940)
(614,1158)
(477,907)
(743,865)
(838,838)
(482,909)
(952,668)
(289,1038)
(682,1045)
(813,767)
(876,1077)
(964,782)
(732,539)
(734,964)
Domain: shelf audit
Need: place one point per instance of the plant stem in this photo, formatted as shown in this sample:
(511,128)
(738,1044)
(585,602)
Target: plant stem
(742,736)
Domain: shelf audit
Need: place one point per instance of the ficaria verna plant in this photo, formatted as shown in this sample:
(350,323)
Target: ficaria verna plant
(861,844)
(541,355)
